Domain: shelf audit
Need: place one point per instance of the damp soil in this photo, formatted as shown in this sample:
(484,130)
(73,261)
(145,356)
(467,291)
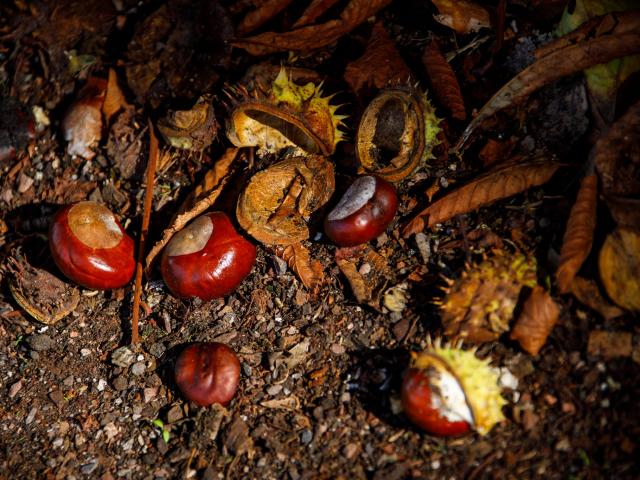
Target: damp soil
(319,389)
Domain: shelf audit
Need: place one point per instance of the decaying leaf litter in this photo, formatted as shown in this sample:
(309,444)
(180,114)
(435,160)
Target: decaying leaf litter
(533,243)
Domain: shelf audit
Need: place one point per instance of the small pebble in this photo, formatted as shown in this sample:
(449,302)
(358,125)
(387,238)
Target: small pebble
(40,343)
(122,357)
(138,369)
(306,436)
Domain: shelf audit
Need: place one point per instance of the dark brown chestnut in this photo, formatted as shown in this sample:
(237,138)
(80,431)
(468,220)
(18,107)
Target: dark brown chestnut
(364,212)
(208,373)
(207,259)
(90,247)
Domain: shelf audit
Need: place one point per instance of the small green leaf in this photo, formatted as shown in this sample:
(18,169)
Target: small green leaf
(166,435)
(158,423)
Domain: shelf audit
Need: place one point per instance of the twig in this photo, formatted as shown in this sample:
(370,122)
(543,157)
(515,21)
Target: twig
(146,216)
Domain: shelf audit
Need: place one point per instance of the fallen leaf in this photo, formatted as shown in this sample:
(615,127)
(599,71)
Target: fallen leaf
(312,36)
(264,12)
(287,403)
(366,271)
(496,151)
(299,260)
(578,236)
(201,199)
(617,159)
(619,264)
(443,81)
(623,40)
(494,185)
(124,144)
(588,293)
(609,344)
(603,80)
(315,9)
(380,65)
(114,100)
(461,15)
(539,315)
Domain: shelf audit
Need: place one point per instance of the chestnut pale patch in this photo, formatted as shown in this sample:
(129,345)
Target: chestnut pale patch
(356,196)
(448,397)
(94,225)
(192,238)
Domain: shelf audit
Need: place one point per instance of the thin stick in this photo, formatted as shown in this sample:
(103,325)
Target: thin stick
(146,217)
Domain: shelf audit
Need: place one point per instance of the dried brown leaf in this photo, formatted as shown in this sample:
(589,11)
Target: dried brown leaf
(315,9)
(578,236)
(114,100)
(312,36)
(616,43)
(299,260)
(200,199)
(494,185)
(443,81)
(539,315)
(366,271)
(461,15)
(261,15)
(610,344)
(380,64)
(588,293)
(496,151)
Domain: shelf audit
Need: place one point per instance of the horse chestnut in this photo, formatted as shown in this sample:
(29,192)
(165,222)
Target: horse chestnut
(449,391)
(207,259)
(424,406)
(208,373)
(363,212)
(90,247)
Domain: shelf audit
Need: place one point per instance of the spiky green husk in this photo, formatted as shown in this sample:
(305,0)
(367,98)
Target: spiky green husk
(478,380)
(479,305)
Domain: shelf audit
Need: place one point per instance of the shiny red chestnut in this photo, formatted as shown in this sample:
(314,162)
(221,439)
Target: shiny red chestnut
(90,247)
(208,373)
(424,406)
(364,212)
(207,259)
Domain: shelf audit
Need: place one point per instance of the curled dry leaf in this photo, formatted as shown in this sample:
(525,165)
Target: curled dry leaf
(617,158)
(588,293)
(379,66)
(82,122)
(299,260)
(42,295)
(200,200)
(539,315)
(315,9)
(124,144)
(277,202)
(312,36)
(193,129)
(114,100)
(461,15)
(479,305)
(443,81)
(610,344)
(396,134)
(366,271)
(578,235)
(623,40)
(619,264)
(494,185)
(263,12)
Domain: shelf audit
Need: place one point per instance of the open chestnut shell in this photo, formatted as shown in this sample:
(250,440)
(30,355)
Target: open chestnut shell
(364,212)
(90,247)
(207,259)
(208,373)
